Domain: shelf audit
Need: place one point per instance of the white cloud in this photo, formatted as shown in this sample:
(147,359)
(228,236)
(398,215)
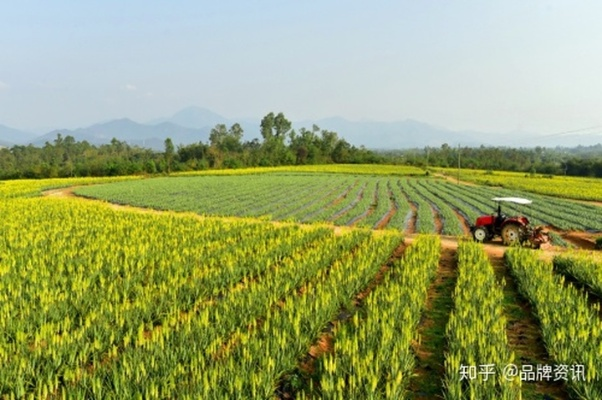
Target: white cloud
(130,88)
(3,86)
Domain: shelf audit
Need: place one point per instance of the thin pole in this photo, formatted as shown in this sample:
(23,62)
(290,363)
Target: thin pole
(458,164)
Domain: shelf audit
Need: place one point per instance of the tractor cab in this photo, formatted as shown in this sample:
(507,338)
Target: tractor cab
(514,229)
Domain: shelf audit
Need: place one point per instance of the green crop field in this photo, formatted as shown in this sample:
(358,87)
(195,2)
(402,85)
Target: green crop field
(343,199)
(225,286)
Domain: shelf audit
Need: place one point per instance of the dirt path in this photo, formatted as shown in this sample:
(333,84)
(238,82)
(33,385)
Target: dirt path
(582,240)
(437,219)
(426,381)
(524,333)
(61,192)
(454,179)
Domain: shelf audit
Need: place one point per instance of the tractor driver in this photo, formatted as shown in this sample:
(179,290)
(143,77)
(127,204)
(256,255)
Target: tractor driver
(500,217)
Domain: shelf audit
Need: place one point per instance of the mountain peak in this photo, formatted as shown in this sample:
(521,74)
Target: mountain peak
(197,117)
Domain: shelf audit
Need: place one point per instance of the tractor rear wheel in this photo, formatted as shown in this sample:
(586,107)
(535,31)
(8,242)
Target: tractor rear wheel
(511,234)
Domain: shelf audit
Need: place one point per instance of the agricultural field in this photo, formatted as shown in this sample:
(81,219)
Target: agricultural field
(559,186)
(290,284)
(409,204)
(355,169)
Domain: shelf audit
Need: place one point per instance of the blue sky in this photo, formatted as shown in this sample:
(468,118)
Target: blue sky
(493,66)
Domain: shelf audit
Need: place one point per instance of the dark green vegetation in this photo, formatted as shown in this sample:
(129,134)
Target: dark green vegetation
(280,145)
(578,161)
(421,204)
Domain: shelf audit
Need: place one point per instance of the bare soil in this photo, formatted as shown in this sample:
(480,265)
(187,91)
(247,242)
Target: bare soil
(455,180)
(438,220)
(582,240)
(343,196)
(523,331)
(392,210)
(426,381)
(61,192)
(463,222)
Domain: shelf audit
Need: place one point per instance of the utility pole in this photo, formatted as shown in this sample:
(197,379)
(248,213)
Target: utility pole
(458,163)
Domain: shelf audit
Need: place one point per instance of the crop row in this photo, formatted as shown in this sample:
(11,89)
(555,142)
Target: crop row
(572,331)
(380,208)
(77,278)
(312,201)
(97,303)
(372,356)
(286,333)
(478,348)
(365,200)
(72,294)
(425,220)
(342,200)
(178,360)
(403,212)
(451,223)
(331,212)
(584,268)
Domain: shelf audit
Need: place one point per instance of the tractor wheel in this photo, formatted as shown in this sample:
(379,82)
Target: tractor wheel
(511,234)
(480,234)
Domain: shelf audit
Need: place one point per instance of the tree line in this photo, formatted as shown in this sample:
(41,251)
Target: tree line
(578,161)
(279,145)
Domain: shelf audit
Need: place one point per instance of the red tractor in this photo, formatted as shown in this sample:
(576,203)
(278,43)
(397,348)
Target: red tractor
(512,230)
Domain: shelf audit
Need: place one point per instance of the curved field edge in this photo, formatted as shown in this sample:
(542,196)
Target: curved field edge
(341,199)
(34,187)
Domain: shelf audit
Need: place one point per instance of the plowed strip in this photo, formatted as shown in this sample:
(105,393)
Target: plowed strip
(430,351)
(524,334)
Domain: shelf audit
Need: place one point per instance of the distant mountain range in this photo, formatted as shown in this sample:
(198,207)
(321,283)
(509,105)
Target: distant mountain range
(10,136)
(193,124)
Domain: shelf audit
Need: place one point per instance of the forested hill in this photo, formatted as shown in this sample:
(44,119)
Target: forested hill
(279,145)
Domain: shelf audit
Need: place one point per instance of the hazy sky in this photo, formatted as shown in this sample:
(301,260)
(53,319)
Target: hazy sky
(482,65)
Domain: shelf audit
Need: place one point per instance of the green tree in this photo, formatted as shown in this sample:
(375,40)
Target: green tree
(274,130)
(169,154)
